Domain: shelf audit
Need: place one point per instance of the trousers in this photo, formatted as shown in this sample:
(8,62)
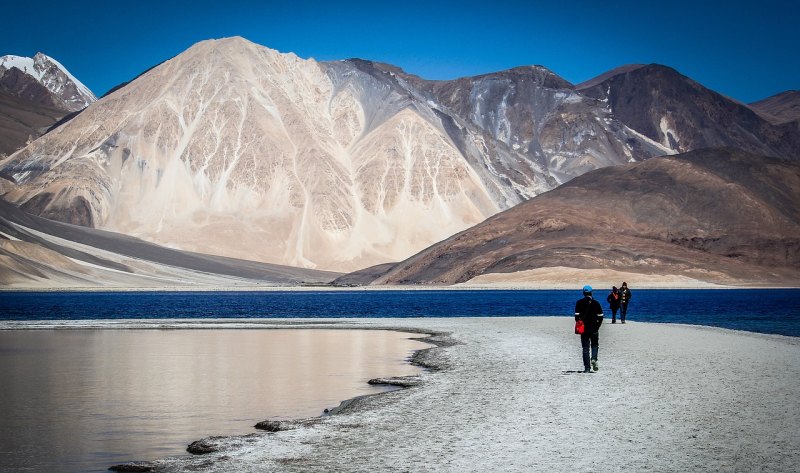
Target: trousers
(589,340)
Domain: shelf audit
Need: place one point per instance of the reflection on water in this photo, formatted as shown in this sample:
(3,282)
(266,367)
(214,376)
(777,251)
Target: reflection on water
(82,400)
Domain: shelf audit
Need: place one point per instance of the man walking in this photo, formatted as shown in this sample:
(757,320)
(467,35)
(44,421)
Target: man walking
(624,298)
(613,303)
(591,313)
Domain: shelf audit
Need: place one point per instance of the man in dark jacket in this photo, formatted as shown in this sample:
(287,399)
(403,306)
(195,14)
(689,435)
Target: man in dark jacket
(624,298)
(590,311)
(613,303)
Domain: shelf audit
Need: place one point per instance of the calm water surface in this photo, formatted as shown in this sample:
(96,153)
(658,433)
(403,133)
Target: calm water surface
(83,400)
(758,310)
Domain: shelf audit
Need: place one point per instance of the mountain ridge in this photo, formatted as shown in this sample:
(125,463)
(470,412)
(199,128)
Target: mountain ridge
(721,216)
(336,165)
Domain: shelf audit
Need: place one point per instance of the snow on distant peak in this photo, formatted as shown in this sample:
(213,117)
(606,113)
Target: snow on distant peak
(54,76)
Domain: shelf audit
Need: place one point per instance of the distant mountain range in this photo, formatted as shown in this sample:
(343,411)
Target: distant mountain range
(715,215)
(35,93)
(236,150)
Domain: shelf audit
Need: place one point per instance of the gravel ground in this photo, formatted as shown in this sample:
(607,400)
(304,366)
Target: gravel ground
(505,395)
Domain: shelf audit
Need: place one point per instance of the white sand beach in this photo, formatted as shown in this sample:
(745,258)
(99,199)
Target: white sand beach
(506,398)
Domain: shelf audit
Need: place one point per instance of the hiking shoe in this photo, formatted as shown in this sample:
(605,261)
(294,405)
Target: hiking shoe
(587,370)
(594,365)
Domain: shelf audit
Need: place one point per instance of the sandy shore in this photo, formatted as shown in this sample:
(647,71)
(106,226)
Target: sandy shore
(506,398)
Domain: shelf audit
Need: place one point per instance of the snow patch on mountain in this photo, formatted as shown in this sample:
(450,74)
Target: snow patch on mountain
(54,76)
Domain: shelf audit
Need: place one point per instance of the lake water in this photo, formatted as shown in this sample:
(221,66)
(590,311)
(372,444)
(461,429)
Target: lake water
(758,310)
(83,400)
(92,398)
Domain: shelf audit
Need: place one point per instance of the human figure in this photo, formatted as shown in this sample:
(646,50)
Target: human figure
(613,303)
(624,299)
(590,311)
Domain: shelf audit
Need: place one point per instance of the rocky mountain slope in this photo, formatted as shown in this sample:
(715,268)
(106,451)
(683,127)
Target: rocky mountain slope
(715,215)
(234,149)
(63,90)
(681,114)
(22,121)
(35,93)
(780,108)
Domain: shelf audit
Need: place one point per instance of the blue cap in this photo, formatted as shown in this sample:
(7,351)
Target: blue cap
(587,288)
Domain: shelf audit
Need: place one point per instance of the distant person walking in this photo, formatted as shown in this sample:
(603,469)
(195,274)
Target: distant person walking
(613,302)
(591,313)
(624,299)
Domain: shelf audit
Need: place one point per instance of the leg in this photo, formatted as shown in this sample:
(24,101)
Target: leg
(595,339)
(585,338)
(614,314)
(623,310)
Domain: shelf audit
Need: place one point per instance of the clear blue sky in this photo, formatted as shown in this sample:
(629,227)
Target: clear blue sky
(746,50)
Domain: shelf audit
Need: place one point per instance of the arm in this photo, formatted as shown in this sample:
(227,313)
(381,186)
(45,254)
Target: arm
(599,309)
(577,311)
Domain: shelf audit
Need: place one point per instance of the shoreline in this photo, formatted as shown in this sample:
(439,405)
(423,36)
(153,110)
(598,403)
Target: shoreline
(457,287)
(214,443)
(364,434)
(454,383)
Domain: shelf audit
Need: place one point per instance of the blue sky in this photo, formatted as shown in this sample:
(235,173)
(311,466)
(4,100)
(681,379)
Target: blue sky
(746,50)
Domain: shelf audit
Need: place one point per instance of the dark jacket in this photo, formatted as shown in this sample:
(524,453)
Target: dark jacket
(589,310)
(624,295)
(612,300)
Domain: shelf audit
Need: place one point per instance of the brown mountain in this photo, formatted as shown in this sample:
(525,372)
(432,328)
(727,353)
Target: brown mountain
(22,121)
(780,108)
(35,94)
(672,109)
(715,215)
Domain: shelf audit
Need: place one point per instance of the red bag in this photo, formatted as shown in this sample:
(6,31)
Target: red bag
(579,327)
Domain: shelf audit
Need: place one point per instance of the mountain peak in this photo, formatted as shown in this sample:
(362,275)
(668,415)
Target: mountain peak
(780,108)
(70,94)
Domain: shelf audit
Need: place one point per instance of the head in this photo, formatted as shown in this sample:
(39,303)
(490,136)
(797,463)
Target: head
(624,284)
(587,290)
(614,289)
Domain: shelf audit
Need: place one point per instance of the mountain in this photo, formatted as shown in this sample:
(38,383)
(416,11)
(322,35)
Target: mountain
(717,215)
(780,108)
(65,91)
(35,93)
(683,115)
(237,150)
(36,252)
(21,121)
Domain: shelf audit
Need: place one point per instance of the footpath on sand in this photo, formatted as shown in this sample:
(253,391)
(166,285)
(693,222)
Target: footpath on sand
(506,398)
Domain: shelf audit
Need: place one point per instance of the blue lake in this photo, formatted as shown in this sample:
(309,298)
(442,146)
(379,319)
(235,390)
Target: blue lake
(758,310)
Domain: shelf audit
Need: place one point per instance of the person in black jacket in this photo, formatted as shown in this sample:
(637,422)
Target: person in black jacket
(613,303)
(624,299)
(590,311)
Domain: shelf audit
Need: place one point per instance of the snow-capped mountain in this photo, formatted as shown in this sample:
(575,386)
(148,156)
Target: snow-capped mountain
(234,149)
(68,93)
